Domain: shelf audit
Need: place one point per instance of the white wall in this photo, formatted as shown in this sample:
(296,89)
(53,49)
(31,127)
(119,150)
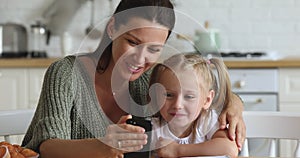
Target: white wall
(244,24)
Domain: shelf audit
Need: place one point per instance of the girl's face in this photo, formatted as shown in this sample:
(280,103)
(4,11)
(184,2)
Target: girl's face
(184,99)
(136,46)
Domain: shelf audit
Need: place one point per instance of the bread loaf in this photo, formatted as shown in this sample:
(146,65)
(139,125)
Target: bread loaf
(8,150)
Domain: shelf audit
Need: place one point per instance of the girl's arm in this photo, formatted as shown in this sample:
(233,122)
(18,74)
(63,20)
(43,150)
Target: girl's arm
(220,144)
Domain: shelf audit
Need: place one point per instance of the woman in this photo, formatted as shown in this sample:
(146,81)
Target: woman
(77,106)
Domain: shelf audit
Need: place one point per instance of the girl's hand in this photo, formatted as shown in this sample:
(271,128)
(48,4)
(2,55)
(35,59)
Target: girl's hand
(125,137)
(167,148)
(232,113)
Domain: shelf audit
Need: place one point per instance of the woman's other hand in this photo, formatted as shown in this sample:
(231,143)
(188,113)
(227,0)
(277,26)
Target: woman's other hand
(125,137)
(167,148)
(233,114)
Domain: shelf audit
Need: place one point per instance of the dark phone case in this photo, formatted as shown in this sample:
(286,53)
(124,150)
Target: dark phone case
(147,125)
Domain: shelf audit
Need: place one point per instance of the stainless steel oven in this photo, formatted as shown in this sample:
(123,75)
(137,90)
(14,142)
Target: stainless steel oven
(258,88)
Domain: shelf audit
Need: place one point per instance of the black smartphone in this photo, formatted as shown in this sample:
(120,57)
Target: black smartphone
(147,125)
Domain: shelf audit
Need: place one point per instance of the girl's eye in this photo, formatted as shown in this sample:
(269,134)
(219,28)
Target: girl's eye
(189,96)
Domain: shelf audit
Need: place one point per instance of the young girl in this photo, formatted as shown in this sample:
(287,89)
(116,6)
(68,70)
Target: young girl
(189,98)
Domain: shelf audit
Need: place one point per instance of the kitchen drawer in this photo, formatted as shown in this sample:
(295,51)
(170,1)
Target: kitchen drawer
(254,80)
(260,102)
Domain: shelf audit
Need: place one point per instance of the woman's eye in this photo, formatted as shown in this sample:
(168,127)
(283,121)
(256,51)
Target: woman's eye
(153,50)
(168,95)
(131,42)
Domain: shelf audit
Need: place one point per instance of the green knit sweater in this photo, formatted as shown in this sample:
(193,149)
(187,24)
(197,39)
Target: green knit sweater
(68,107)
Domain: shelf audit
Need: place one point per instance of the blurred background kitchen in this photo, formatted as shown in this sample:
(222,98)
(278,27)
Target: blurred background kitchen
(259,40)
(243,25)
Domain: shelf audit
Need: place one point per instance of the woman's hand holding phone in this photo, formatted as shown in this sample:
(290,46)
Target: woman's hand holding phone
(125,137)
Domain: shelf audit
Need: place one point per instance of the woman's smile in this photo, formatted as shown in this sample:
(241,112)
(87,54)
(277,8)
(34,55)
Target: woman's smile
(133,68)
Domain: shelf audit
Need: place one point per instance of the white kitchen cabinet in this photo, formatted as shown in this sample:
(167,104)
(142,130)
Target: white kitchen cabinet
(289,89)
(20,87)
(13,88)
(13,92)
(289,100)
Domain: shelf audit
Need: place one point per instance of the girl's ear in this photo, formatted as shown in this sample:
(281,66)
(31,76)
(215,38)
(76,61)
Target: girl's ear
(110,27)
(209,99)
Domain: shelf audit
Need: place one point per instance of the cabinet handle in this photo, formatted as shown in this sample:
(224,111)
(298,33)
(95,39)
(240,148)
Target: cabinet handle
(240,84)
(253,102)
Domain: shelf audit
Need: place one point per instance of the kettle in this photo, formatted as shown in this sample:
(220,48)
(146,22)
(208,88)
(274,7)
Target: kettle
(13,40)
(207,40)
(40,38)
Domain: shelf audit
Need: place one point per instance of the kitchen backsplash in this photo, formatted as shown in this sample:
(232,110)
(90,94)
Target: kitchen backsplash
(243,24)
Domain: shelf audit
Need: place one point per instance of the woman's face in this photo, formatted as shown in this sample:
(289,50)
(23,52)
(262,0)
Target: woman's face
(137,46)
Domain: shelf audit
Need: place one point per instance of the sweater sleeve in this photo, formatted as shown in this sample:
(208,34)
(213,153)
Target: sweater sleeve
(52,116)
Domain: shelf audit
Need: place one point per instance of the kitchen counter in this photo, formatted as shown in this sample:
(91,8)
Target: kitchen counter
(288,62)
(26,62)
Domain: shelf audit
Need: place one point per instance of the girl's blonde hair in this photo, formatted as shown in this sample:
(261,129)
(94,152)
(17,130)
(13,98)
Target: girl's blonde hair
(204,68)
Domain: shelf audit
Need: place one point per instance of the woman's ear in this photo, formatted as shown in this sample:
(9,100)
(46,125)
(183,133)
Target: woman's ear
(110,27)
(209,99)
